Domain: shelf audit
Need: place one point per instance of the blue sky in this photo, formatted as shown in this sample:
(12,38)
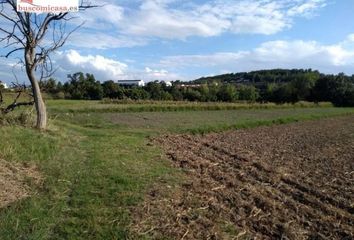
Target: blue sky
(180,39)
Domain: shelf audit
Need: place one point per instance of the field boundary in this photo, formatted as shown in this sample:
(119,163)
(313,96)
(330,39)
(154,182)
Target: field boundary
(258,123)
(102,107)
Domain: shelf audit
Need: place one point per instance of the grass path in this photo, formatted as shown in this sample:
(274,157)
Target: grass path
(92,178)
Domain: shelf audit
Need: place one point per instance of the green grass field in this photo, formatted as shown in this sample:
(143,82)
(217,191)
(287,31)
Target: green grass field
(98,164)
(74,106)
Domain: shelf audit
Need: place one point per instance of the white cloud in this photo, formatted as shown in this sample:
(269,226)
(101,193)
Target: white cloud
(104,68)
(154,18)
(350,37)
(100,29)
(213,60)
(8,68)
(103,41)
(136,23)
(305,53)
(260,25)
(90,63)
(274,54)
(101,67)
(162,19)
(157,74)
(306,9)
(108,15)
(161,71)
(253,17)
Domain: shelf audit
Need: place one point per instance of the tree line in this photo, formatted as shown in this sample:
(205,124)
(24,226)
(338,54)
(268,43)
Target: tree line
(279,86)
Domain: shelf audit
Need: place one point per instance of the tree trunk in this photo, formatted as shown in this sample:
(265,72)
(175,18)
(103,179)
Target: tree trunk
(40,106)
(37,95)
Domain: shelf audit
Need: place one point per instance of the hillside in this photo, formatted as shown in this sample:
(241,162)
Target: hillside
(261,77)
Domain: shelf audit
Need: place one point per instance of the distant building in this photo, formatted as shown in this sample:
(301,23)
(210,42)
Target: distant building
(4,85)
(139,83)
(242,81)
(188,85)
(168,84)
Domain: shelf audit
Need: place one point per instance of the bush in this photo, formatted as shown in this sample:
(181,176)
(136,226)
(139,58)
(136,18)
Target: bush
(248,93)
(227,93)
(59,95)
(192,95)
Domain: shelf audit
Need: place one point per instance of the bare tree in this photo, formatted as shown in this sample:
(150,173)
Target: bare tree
(36,36)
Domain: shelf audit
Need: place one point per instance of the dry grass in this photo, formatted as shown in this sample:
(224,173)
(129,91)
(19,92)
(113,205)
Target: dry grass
(15,181)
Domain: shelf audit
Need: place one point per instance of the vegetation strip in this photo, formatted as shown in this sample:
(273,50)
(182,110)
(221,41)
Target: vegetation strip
(176,106)
(253,124)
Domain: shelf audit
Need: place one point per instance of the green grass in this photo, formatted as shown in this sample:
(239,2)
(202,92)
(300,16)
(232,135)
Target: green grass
(64,106)
(97,165)
(92,178)
(198,121)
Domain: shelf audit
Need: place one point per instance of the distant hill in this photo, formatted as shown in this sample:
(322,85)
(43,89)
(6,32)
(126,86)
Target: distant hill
(260,77)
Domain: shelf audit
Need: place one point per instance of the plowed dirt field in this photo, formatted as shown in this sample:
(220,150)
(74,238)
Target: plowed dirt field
(293,181)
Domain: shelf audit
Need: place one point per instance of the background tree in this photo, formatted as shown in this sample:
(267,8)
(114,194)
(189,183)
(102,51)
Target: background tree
(227,93)
(112,90)
(204,92)
(36,36)
(248,93)
(137,93)
(83,86)
(191,94)
(176,94)
(337,89)
(156,90)
(50,86)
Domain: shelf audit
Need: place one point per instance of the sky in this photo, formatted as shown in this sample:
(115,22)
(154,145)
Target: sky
(188,39)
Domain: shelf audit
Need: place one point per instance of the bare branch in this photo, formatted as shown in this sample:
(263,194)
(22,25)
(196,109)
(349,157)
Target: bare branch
(20,89)
(1,97)
(15,50)
(84,5)
(15,105)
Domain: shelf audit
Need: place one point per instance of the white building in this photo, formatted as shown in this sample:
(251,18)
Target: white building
(139,83)
(4,85)
(168,84)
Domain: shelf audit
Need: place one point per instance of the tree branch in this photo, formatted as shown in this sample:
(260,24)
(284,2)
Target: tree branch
(1,97)
(20,89)
(15,50)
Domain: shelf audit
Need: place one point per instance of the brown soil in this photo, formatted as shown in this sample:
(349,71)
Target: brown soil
(15,180)
(293,181)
